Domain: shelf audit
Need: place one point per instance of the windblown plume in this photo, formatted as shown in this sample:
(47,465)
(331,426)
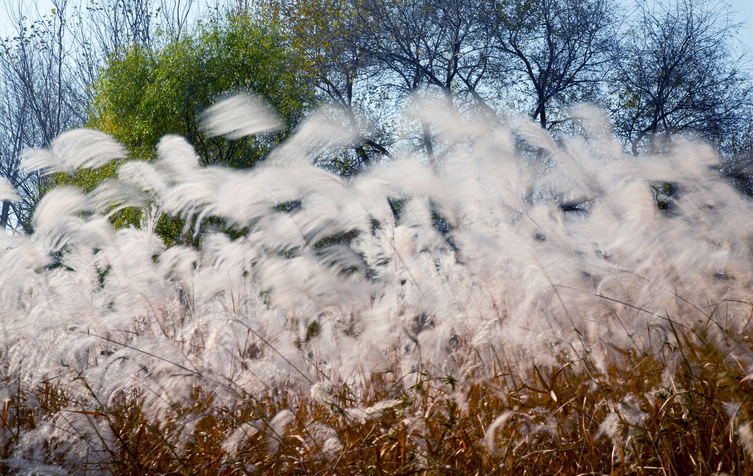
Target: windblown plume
(240,116)
(75,149)
(7,192)
(306,304)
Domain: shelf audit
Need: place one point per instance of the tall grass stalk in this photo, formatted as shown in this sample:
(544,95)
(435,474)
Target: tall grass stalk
(518,304)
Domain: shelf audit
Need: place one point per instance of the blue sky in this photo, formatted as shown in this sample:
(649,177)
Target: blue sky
(744,14)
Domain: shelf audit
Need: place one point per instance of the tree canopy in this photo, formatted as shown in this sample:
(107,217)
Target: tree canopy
(138,72)
(675,71)
(146,93)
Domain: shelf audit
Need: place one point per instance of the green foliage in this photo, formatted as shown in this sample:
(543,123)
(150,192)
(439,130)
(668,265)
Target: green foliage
(88,179)
(145,93)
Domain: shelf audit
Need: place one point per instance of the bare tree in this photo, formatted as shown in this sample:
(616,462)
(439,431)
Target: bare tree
(675,72)
(556,49)
(14,137)
(41,99)
(114,24)
(472,51)
(174,16)
(429,44)
(329,39)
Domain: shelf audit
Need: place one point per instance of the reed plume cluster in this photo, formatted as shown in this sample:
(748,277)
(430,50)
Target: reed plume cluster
(513,304)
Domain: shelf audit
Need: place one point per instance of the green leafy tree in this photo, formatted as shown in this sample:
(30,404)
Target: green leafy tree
(145,93)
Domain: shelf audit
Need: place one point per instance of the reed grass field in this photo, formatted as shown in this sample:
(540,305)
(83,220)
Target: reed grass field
(516,303)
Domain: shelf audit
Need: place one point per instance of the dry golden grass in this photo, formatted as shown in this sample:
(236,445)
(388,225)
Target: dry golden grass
(548,421)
